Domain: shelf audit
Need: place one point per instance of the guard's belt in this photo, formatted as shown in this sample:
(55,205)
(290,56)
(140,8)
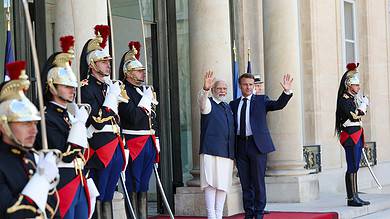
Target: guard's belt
(348,123)
(74,164)
(138,132)
(106,128)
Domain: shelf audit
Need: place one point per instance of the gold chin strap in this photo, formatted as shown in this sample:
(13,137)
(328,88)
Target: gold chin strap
(8,132)
(52,87)
(136,81)
(55,92)
(94,67)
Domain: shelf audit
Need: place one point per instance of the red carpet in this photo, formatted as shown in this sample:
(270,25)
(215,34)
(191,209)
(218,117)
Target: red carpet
(272,215)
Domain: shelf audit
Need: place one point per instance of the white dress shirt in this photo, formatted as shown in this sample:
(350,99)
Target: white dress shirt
(247,121)
(204,101)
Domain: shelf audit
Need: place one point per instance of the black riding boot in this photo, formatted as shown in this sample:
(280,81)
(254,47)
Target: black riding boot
(98,213)
(108,213)
(351,195)
(134,204)
(356,189)
(142,205)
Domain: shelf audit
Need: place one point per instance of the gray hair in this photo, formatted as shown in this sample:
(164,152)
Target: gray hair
(217,82)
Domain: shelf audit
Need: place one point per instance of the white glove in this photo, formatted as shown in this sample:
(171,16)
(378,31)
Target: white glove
(149,94)
(78,132)
(363,107)
(45,179)
(146,100)
(81,114)
(93,193)
(366,100)
(47,166)
(113,94)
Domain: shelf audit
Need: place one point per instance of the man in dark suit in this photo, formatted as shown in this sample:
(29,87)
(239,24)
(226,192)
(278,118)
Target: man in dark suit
(253,140)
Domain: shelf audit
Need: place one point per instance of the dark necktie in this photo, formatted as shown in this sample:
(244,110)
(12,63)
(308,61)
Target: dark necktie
(243,118)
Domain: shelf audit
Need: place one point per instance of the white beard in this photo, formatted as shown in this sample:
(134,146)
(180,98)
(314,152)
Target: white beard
(220,98)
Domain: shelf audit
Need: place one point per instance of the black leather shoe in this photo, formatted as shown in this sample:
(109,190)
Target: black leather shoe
(247,216)
(362,201)
(259,216)
(354,202)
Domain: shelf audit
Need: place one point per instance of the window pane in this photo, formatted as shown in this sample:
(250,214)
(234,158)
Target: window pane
(184,86)
(130,9)
(348,21)
(349,52)
(127,27)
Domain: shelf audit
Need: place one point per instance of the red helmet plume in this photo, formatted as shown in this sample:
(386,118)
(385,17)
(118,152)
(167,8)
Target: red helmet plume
(352,66)
(137,46)
(67,42)
(15,68)
(104,31)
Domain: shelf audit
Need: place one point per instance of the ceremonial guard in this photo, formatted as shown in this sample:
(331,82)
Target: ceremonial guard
(67,132)
(259,85)
(351,107)
(137,120)
(106,157)
(27,185)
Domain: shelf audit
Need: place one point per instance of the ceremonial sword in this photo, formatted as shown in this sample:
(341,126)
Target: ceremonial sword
(370,169)
(37,75)
(122,177)
(155,166)
(162,191)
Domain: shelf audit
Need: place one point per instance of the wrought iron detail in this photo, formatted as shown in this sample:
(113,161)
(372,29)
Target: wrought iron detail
(371,155)
(312,156)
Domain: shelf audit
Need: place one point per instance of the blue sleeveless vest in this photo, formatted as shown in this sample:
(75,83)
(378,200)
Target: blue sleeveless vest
(217,131)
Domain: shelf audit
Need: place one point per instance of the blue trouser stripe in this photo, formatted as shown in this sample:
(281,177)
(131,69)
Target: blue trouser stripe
(106,179)
(139,171)
(79,206)
(353,154)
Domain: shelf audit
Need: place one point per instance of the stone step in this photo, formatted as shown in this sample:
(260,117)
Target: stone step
(118,206)
(329,202)
(336,203)
(378,215)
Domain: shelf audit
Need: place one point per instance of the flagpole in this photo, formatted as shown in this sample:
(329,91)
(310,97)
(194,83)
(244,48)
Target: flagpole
(8,15)
(9,57)
(249,54)
(234,50)
(111,39)
(235,72)
(249,67)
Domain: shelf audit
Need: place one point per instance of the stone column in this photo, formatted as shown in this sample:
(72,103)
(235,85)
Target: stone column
(78,18)
(282,55)
(248,33)
(210,49)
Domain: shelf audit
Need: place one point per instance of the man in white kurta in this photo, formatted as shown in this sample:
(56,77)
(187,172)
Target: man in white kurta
(217,144)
